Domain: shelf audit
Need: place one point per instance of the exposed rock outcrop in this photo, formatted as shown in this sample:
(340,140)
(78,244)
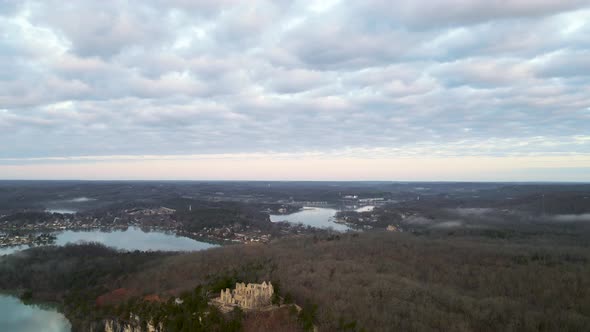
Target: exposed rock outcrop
(113,325)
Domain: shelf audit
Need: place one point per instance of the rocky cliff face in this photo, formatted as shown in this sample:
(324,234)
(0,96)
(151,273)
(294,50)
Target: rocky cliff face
(113,325)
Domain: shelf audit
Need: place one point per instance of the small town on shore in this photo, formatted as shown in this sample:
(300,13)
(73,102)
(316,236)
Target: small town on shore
(39,228)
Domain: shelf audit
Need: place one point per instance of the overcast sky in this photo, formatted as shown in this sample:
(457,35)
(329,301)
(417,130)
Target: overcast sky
(222,89)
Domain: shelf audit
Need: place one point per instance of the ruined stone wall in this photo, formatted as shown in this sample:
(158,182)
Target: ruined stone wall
(250,296)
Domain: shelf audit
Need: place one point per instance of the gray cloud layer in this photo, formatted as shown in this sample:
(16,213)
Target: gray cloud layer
(454,77)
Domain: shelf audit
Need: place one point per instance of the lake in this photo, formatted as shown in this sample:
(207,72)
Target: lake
(312,216)
(366,208)
(16,316)
(130,239)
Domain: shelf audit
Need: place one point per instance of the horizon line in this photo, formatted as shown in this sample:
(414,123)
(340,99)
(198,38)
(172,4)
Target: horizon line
(275,180)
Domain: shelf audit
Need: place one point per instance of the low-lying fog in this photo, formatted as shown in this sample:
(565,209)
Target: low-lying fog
(569,217)
(81,199)
(69,206)
(480,217)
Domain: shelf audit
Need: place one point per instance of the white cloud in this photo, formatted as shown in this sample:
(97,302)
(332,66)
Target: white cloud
(421,78)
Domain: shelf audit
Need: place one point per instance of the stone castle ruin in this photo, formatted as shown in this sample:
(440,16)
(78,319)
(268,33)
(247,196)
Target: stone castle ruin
(250,296)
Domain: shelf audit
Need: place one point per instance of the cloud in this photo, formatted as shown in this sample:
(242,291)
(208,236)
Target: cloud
(437,13)
(296,80)
(565,64)
(104,29)
(8,7)
(444,78)
(484,72)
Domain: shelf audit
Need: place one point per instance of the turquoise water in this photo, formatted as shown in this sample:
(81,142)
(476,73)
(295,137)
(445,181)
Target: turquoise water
(316,217)
(16,316)
(130,239)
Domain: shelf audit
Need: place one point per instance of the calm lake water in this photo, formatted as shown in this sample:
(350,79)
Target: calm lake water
(130,239)
(15,316)
(316,217)
(366,208)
